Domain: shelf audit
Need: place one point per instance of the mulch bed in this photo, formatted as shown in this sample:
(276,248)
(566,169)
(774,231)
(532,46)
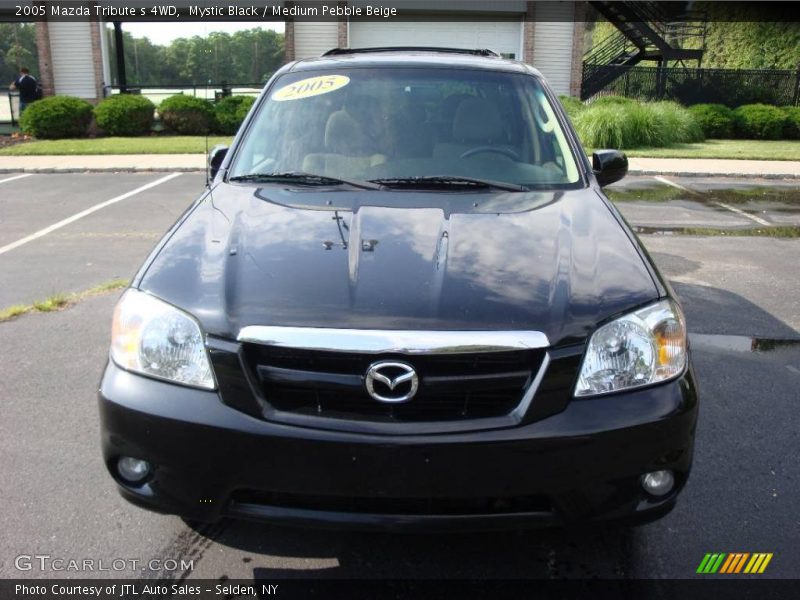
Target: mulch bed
(14,138)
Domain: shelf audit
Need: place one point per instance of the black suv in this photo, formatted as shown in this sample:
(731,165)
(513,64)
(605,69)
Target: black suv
(403,301)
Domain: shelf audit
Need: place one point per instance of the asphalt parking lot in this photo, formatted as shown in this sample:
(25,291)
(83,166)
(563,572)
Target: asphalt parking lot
(742,299)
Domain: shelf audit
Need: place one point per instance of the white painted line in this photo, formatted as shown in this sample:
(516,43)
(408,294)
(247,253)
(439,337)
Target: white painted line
(675,184)
(758,220)
(793,369)
(733,209)
(16,177)
(84,213)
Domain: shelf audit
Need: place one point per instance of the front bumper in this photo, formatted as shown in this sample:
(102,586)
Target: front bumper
(584,463)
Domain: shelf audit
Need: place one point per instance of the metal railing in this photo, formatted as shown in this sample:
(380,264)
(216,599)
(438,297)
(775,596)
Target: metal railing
(207,91)
(9,110)
(609,48)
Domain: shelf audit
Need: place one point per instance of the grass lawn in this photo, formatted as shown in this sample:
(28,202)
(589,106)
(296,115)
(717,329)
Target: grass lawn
(172,144)
(742,149)
(183,144)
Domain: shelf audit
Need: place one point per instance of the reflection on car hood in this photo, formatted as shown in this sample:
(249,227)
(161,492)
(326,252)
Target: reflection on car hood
(556,262)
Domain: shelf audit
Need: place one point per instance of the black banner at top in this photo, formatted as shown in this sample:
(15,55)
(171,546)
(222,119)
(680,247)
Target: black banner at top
(370,10)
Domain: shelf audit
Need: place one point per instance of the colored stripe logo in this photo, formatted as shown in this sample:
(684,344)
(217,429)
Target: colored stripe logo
(734,563)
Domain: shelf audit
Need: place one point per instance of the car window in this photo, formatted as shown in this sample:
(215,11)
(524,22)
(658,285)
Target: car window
(366,124)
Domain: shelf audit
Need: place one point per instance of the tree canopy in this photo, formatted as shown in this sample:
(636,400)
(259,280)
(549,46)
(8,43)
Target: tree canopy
(248,56)
(17,49)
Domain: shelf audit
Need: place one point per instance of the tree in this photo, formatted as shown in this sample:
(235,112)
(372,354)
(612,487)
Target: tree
(247,56)
(17,49)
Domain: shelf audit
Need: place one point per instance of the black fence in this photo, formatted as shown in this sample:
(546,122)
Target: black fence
(208,91)
(732,87)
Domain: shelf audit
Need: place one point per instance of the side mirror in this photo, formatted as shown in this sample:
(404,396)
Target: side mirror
(609,166)
(215,158)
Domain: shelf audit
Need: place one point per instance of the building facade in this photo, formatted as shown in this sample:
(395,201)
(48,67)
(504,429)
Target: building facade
(547,35)
(74,58)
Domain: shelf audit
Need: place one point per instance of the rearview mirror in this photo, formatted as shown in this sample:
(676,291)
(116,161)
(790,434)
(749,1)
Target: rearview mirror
(215,158)
(609,166)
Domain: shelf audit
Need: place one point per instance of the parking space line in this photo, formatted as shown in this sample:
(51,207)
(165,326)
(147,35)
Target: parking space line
(738,211)
(16,177)
(733,209)
(675,184)
(84,213)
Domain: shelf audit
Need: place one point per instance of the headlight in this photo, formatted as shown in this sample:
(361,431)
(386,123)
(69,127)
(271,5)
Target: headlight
(154,338)
(644,347)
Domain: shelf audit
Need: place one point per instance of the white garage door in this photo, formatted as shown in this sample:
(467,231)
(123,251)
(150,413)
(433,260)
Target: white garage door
(504,36)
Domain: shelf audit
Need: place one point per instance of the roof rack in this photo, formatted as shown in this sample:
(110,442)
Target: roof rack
(473,52)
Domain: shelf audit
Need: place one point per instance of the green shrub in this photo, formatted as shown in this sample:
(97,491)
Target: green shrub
(716,120)
(791,126)
(612,101)
(230,112)
(571,104)
(759,122)
(187,115)
(125,114)
(56,117)
(676,124)
(631,124)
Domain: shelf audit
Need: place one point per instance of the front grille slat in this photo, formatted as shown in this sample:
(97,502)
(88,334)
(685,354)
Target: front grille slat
(307,379)
(451,387)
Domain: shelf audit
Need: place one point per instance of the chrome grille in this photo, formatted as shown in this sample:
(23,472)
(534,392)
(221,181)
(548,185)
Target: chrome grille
(453,387)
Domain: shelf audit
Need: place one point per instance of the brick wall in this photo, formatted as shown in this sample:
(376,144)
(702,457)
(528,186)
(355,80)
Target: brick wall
(578,39)
(97,60)
(528,28)
(45,66)
(288,37)
(342,24)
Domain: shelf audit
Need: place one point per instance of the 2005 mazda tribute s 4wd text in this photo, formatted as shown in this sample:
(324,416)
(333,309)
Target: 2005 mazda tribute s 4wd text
(403,302)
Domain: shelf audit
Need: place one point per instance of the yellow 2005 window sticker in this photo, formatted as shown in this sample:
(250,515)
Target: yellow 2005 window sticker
(313,86)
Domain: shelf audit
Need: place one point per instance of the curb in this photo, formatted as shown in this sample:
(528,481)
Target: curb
(715,174)
(104,170)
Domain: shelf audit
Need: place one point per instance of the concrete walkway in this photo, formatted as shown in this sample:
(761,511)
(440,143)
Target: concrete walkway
(684,167)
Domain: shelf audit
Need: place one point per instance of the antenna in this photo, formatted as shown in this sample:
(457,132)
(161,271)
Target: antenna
(208,85)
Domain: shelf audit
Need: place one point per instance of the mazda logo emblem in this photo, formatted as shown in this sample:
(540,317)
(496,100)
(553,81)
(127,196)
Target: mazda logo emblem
(391,382)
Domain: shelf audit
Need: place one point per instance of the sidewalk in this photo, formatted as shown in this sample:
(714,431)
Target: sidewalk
(683,167)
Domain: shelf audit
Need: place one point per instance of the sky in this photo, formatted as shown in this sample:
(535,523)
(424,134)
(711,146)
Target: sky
(163,33)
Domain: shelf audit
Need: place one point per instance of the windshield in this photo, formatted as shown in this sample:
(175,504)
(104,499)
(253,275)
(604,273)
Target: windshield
(400,126)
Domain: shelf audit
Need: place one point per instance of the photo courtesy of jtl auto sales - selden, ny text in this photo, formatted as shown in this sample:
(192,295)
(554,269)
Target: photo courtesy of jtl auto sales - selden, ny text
(399,299)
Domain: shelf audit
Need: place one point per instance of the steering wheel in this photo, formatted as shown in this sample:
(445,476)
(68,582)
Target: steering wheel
(496,150)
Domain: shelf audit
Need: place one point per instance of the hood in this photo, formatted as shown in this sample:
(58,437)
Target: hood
(556,262)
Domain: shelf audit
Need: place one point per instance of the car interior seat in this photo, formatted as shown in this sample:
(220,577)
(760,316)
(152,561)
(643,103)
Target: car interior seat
(477,122)
(351,141)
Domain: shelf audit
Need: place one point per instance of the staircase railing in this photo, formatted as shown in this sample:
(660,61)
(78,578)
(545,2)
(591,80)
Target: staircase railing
(646,30)
(650,13)
(609,48)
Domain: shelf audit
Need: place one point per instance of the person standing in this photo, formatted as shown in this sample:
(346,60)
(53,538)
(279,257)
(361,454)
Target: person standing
(27,85)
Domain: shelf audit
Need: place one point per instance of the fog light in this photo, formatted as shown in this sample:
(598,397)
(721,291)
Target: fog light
(658,483)
(133,470)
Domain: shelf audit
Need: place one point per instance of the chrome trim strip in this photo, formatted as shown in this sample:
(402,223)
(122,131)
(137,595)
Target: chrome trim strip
(522,408)
(387,341)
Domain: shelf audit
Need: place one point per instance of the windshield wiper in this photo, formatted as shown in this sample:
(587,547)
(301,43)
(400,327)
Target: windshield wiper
(302,178)
(447,181)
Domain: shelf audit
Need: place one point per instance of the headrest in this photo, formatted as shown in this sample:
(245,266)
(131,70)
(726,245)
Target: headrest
(345,135)
(478,121)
